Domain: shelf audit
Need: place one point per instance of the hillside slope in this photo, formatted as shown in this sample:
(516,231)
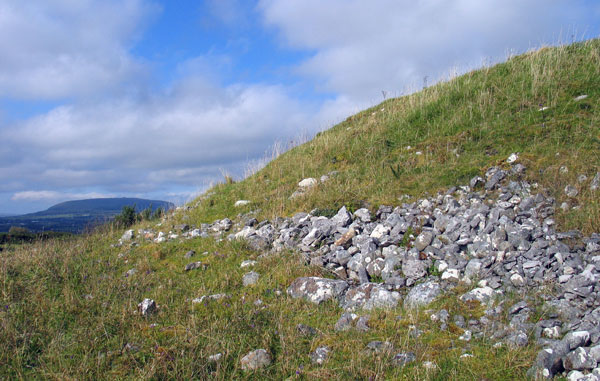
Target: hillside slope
(460,128)
(74,309)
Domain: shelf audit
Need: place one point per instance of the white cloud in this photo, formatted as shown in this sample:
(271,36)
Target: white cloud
(361,48)
(182,137)
(61,48)
(46,195)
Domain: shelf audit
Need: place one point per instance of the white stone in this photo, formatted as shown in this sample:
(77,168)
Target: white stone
(308,182)
(380,231)
(452,275)
(241,203)
(247,263)
(512,158)
(580,97)
(517,280)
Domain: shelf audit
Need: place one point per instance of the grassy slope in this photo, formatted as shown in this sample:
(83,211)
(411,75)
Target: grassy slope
(49,329)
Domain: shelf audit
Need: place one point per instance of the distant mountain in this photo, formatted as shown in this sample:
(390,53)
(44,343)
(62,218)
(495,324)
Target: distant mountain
(76,216)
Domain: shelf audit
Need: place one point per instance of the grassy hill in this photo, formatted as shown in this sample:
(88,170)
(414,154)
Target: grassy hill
(68,309)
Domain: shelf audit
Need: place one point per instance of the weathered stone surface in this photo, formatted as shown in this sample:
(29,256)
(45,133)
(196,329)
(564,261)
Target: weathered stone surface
(319,356)
(481,294)
(257,359)
(317,290)
(403,358)
(194,266)
(308,183)
(250,278)
(579,359)
(422,294)
(414,268)
(127,236)
(369,296)
(423,240)
(147,307)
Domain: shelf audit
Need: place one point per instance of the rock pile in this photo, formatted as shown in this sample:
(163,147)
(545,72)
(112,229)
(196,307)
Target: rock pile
(496,234)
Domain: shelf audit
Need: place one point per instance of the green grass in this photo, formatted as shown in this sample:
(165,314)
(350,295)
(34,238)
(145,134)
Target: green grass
(50,327)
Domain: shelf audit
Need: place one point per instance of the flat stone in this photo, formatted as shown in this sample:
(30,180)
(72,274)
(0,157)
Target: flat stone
(481,294)
(194,266)
(308,182)
(414,268)
(250,278)
(254,360)
(579,359)
(239,203)
(317,290)
(403,358)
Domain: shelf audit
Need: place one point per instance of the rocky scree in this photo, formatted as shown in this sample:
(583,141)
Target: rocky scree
(496,234)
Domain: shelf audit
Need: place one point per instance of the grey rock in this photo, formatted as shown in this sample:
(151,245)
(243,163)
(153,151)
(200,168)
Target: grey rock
(254,360)
(147,307)
(380,346)
(422,294)
(362,324)
(369,296)
(579,359)
(250,278)
(317,290)
(345,321)
(363,214)
(571,191)
(342,218)
(414,268)
(423,240)
(306,330)
(189,254)
(319,356)
(403,358)
(194,266)
(595,183)
(481,294)
(127,236)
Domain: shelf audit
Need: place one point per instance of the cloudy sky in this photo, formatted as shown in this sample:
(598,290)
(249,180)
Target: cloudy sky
(159,98)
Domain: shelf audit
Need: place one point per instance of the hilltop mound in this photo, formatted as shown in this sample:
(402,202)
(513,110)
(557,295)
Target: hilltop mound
(447,234)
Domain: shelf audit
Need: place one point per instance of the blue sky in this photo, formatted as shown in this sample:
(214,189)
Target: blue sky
(158,99)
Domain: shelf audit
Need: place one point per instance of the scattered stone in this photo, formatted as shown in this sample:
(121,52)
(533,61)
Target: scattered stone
(571,191)
(239,203)
(250,278)
(306,330)
(345,321)
(254,360)
(380,346)
(595,184)
(147,307)
(319,356)
(189,254)
(403,358)
(247,263)
(317,290)
(194,266)
(512,158)
(127,236)
(215,358)
(308,183)
(579,359)
(580,97)
(423,240)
